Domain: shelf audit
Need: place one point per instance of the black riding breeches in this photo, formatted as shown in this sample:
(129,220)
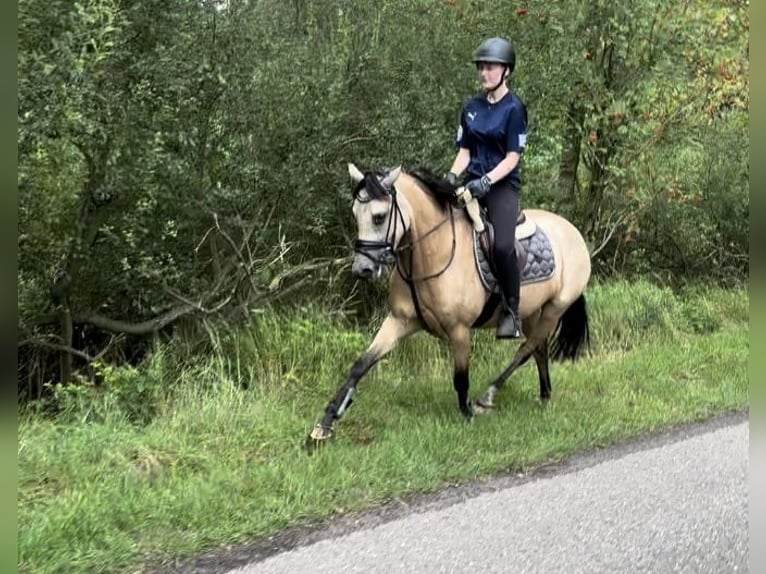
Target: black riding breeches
(503,204)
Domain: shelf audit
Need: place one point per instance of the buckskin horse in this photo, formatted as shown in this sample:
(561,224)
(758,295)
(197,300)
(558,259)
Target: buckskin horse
(444,284)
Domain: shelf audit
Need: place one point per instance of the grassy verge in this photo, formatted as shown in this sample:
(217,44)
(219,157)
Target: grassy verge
(164,461)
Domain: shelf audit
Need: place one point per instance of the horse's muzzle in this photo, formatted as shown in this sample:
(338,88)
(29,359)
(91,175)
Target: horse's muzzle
(365,268)
(371,259)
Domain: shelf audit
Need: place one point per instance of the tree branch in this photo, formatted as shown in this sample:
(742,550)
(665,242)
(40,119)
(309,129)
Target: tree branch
(142,328)
(114,339)
(56,347)
(188,306)
(306,267)
(246,265)
(607,238)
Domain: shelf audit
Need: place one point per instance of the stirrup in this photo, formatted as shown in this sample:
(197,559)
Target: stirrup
(509,327)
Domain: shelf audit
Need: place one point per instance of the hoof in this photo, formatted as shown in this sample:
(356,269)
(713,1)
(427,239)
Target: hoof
(317,437)
(482,408)
(320,433)
(467,412)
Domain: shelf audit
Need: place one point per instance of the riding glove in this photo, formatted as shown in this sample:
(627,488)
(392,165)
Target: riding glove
(479,187)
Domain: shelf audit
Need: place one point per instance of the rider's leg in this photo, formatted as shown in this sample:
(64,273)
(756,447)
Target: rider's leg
(502,203)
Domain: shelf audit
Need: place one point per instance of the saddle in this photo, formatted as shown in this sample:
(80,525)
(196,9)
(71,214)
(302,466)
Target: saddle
(524,228)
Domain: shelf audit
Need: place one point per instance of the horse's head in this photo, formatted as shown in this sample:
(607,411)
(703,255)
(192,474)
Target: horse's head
(380,221)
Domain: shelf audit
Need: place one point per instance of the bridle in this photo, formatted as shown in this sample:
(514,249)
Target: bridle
(379,252)
(385,252)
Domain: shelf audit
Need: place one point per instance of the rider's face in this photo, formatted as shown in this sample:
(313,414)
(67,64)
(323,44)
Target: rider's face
(490,74)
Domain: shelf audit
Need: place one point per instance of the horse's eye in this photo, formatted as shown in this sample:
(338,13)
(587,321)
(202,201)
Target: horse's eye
(379,218)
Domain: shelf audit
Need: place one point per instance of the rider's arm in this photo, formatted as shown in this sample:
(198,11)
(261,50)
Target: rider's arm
(462,159)
(504,167)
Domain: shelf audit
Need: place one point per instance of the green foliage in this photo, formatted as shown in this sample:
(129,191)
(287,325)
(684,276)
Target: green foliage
(701,318)
(625,314)
(283,354)
(284,351)
(162,142)
(116,394)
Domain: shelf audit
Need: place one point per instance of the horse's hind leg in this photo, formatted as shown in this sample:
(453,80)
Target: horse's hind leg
(487,401)
(392,331)
(541,358)
(538,336)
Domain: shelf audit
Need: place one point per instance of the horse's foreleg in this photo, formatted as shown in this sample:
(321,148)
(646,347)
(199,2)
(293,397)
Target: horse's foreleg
(390,333)
(460,343)
(538,337)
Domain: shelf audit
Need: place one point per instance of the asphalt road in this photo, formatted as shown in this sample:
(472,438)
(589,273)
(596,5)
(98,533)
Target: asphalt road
(675,502)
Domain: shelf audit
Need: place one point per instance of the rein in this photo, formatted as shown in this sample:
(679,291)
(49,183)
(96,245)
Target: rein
(411,247)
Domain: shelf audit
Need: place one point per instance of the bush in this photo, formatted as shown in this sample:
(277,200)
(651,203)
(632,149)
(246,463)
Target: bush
(127,393)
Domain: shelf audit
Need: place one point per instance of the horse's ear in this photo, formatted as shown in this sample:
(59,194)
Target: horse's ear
(356,175)
(389,180)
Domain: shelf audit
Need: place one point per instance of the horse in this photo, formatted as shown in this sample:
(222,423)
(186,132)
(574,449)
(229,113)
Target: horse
(411,220)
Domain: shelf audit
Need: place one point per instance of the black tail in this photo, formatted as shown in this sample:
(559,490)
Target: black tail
(572,334)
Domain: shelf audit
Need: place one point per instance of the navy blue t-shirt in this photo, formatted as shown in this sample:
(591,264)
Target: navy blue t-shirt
(491,131)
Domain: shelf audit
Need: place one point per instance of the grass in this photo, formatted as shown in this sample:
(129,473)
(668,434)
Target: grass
(164,461)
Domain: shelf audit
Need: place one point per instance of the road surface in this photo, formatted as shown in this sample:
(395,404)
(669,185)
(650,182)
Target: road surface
(674,502)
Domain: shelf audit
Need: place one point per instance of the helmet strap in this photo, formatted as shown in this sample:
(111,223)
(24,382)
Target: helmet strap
(503,76)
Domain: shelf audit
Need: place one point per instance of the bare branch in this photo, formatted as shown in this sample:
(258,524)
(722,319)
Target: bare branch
(246,265)
(306,267)
(56,347)
(37,342)
(142,328)
(608,237)
(113,340)
(181,298)
(201,241)
(205,305)
(276,295)
(223,303)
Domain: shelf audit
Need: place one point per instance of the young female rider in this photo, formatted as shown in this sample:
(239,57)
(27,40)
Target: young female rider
(490,142)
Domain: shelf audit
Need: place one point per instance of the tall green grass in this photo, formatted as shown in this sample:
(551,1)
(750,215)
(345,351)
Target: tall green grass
(182,455)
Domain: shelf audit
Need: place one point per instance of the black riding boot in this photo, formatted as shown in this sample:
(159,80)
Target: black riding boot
(509,326)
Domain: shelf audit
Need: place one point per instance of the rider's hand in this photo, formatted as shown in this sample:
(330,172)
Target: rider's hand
(479,187)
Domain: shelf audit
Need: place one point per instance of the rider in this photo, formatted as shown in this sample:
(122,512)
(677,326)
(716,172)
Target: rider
(490,142)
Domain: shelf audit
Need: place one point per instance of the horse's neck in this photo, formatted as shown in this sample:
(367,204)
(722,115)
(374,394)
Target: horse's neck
(430,248)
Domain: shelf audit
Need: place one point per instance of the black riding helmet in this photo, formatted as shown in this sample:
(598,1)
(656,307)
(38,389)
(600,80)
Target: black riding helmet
(497,50)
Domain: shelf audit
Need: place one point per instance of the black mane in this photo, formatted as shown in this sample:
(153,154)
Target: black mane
(371,183)
(435,185)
